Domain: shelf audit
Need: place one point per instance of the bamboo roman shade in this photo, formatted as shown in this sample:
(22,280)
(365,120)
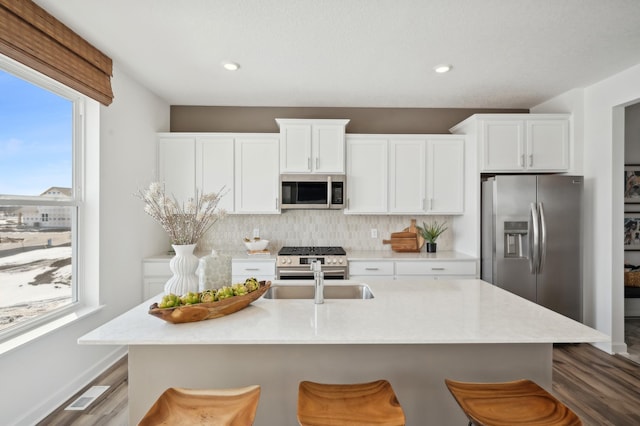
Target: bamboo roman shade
(30,35)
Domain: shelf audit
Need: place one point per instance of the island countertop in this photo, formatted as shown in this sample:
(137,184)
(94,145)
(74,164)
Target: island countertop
(428,312)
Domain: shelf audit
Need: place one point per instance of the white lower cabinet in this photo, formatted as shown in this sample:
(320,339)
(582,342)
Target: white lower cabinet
(411,270)
(155,274)
(242,269)
(435,269)
(366,271)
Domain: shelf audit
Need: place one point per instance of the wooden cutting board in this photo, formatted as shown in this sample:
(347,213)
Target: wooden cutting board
(407,240)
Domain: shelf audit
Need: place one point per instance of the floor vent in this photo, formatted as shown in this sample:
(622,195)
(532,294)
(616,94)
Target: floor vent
(84,400)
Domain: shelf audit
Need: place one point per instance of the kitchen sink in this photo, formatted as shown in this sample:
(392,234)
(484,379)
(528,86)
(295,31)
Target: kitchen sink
(356,291)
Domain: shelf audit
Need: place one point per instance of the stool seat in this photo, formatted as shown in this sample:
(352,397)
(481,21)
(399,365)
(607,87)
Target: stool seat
(521,402)
(372,403)
(220,407)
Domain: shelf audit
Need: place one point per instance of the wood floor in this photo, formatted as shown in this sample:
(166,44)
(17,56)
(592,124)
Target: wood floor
(602,389)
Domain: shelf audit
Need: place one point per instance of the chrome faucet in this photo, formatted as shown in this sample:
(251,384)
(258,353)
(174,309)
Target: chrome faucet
(318,282)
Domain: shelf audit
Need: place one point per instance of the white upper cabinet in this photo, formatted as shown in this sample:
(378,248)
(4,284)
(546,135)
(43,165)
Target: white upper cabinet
(547,144)
(244,165)
(176,165)
(214,167)
(445,175)
(366,175)
(312,146)
(405,174)
(256,174)
(520,142)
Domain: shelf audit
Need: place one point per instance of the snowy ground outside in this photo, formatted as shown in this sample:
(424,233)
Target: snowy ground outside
(35,276)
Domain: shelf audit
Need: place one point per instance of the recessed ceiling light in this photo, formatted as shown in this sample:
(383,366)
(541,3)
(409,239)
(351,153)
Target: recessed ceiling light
(230,66)
(442,68)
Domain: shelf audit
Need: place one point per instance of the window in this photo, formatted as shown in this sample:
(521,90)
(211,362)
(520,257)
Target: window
(40,145)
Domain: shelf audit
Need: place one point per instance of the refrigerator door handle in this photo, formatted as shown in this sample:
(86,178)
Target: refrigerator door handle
(543,238)
(534,240)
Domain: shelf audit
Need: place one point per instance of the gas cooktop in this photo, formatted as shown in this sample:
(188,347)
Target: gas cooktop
(312,251)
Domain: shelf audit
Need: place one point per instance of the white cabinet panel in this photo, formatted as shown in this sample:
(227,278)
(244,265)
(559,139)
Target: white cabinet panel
(366,175)
(295,148)
(357,267)
(176,164)
(256,175)
(548,144)
(312,146)
(214,167)
(261,270)
(436,267)
(445,176)
(523,142)
(407,175)
(503,145)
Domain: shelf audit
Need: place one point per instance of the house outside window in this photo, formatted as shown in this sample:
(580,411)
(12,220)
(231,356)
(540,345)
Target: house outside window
(40,198)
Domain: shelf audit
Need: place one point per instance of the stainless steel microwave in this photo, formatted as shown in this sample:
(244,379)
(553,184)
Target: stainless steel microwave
(311,191)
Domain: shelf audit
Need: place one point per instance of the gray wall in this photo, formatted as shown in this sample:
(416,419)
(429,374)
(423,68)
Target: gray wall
(362,120)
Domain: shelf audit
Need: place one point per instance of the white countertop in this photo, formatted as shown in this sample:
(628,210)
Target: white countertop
(429,312)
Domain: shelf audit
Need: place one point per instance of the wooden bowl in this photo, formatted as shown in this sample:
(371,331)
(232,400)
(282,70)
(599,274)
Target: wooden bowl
(205,311)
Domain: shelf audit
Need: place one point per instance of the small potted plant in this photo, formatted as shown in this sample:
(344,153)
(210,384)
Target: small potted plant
(431,233)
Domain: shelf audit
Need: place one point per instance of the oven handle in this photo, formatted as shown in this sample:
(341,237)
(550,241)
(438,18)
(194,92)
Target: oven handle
(307,272)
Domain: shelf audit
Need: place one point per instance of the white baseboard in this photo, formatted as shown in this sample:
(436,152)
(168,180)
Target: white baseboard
(65,392)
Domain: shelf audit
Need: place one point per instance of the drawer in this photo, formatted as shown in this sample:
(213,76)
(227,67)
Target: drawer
(252,268)
(436,267)
(156,268)
(370,268)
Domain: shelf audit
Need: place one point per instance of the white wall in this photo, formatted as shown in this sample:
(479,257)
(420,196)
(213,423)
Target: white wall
(599,108)
(39,376)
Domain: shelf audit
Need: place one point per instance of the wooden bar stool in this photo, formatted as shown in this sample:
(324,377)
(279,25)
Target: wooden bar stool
(372,403)
(521,402)
(220,407)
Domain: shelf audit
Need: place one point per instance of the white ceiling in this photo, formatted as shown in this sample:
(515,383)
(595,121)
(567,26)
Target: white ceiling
(360,53)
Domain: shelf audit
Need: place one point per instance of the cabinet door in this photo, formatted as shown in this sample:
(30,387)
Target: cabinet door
(407,176)
(257,175)
(328,148)
(547,145)
(366,175)
(214,167)
(445,176)
(502,145)
(295,149)
(176,166)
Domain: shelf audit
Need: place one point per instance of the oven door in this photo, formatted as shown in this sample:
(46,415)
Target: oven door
(304,273)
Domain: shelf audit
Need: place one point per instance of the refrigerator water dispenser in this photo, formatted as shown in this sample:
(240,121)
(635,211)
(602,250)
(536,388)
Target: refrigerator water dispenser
(514,233)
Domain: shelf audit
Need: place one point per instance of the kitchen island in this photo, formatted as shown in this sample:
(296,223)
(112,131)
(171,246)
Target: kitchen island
(413,334)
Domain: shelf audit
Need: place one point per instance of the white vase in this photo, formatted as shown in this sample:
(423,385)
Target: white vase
(183,265)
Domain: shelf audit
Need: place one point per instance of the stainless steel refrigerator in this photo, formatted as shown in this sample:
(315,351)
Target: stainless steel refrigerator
(531,238)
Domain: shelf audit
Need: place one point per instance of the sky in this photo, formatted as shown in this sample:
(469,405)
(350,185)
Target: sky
(35,138)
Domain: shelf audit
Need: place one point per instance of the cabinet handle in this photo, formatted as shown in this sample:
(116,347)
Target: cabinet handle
(276,203)
(437,269)
(309,163)
(251,269)
(347,203)
(317,163)
(521,162)
(530,160)
(430,203)
(423,203)
(371,269)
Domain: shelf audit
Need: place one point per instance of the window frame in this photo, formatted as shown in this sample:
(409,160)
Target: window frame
(79,299)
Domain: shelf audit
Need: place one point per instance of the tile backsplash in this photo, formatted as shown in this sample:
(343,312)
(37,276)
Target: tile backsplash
(315,228)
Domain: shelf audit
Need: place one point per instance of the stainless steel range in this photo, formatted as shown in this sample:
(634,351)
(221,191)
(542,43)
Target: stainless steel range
(294,263)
